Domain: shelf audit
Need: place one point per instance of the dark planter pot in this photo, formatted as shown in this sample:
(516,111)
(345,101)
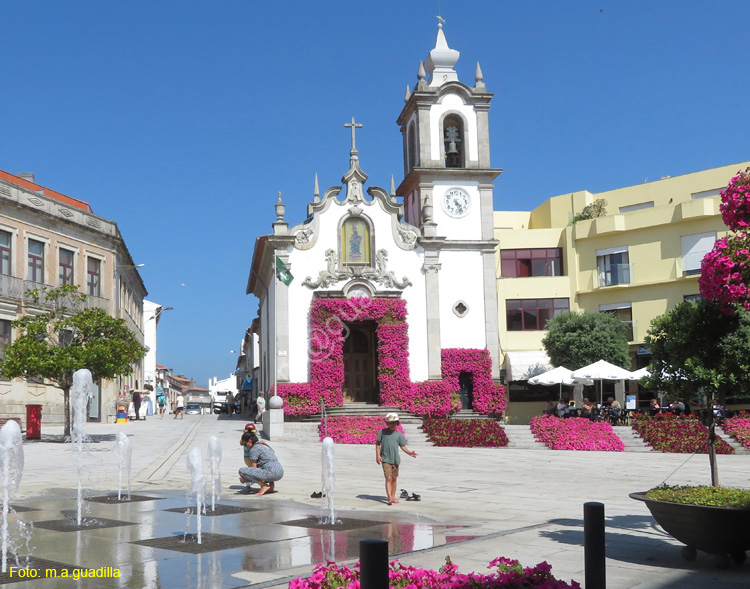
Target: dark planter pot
(721,531)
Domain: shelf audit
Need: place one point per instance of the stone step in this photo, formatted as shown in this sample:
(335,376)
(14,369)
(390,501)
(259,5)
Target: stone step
(738,448)
(633,442)
(520,436)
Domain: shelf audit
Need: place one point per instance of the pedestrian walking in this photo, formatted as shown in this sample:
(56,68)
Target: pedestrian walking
(387,447)
(136,398)
(180,409)
(261,405)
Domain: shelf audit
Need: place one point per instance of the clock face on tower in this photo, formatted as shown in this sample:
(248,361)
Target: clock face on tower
(456,202)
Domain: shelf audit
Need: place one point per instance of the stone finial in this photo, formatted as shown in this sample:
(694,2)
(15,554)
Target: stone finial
(422,83)
(316,190)
(393,186)
(280,209)
(439,63)
(408,93)
(479,79)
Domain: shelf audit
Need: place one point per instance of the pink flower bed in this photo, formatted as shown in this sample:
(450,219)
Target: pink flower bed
(467,433)
(739,429)
(354,430)
(508,574)
(575,433)
(679,435)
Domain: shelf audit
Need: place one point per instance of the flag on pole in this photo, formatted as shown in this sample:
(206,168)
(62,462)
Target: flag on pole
(282,272)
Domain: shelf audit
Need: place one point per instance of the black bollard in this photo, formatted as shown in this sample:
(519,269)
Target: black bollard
(373,564)
(593,545)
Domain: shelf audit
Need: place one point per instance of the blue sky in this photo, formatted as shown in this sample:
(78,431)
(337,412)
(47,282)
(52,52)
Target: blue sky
(182,120)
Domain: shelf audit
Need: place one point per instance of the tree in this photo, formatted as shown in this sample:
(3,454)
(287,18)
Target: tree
(67,337)
(575,340)
(697,347)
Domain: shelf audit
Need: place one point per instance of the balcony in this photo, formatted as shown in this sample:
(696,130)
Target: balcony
(12,287)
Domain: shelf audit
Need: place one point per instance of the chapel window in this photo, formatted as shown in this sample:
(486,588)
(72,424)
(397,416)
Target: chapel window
(355,242)
(453,141)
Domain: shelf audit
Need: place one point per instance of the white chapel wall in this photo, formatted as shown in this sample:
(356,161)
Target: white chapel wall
(462,279)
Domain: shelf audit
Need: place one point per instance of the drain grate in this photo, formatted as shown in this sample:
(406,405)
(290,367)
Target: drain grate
(112,498)
(220,509)
(42,569)
(87,523)
(342,524)
(189,543)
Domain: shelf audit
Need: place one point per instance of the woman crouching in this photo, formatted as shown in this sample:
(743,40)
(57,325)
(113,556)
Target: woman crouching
(264,468)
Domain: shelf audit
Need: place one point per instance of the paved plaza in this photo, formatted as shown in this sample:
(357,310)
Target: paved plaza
(477,503)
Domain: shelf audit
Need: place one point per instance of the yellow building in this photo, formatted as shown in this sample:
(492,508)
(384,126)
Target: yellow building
(638,260)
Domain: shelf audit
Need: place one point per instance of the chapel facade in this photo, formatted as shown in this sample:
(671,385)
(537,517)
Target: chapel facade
(392,291)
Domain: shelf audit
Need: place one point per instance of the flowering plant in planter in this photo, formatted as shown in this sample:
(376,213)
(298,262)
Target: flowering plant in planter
(465,432)
(508,574)
(725,272)
(354,429)
(681,435)
(575,433)
(735,202)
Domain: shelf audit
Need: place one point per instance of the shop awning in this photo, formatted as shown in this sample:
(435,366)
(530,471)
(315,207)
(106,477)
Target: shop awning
(524,365)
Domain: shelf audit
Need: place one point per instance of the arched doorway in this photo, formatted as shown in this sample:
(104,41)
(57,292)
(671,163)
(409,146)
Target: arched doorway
(360,363)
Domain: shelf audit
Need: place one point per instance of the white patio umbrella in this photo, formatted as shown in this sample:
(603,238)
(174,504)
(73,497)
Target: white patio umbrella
(601,371)
(560,376)
(640,373)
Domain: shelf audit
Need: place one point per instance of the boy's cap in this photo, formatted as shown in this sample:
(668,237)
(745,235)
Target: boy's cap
(391,417)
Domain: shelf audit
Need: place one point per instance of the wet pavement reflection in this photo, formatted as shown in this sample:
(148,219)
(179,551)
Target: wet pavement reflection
(146,545)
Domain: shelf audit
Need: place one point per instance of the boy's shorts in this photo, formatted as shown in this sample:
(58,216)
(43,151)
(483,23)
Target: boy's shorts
(390,470)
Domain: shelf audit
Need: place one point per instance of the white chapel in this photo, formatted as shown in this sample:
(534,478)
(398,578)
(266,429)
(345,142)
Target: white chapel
(389,297)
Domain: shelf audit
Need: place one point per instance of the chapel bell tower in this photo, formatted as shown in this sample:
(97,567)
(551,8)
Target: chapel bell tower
(448,195)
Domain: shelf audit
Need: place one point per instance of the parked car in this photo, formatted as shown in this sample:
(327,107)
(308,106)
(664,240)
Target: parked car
(193,409)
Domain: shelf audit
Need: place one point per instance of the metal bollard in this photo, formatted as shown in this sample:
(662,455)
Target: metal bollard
(593,545)
(373,564)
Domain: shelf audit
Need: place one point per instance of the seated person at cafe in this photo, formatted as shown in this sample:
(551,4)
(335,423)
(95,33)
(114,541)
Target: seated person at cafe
(588,409)
(572,410)
(615,409)
(678,407)
(562,408)
(654,407)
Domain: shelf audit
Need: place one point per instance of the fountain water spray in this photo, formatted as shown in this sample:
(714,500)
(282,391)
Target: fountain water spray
(214,461)
(80,394)
(197,483)
(327,507)
(11,461)
(124,453)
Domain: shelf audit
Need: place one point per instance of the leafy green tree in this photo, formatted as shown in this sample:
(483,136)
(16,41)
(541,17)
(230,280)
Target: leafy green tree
(66,337)
(575,340)
(697,347)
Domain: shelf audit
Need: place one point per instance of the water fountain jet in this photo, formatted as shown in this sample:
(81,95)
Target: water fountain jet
(124,453)
(197,483)
(11,461)
(214,461)
(80,394)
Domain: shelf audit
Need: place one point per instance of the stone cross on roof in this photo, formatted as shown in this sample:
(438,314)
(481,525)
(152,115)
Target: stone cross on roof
(354,126)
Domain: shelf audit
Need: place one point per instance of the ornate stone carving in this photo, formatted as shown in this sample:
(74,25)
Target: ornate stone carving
(93,222)
(383,276)
(37,202)
(380,274)
(431,267)
(328,276)
(302,236)
(66,213)
(408,236)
